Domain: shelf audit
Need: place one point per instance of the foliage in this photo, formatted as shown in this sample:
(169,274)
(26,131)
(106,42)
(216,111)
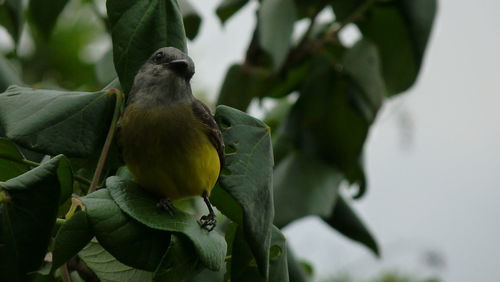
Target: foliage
(50,138)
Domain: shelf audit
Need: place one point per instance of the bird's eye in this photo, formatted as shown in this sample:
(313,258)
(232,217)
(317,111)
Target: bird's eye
(158,57)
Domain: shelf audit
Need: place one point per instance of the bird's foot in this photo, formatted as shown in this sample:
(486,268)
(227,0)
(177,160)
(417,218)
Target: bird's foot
(208,222)
(166,205)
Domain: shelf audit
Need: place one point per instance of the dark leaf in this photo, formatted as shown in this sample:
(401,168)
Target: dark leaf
(345,220)
(303,186)
(114,230)
(276,22)
(45,16)
(28,207)
(134,201)
(344,9)
(8,75)
(400,29)
(9,168)
(107,268)
(228,8)
(192,20)
(138,29)
(11,17)
(56,122)
(247,177)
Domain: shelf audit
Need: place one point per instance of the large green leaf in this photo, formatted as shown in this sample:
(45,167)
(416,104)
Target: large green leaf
(141,206)
(11,17)
(276,22)
(138,28)
(8,75)
(28,207)
(400,29)
(56,122)
(107,268)
(241,85)
(179,263)
(346,221)
(114,230)
(227,8)
(304,186)
(10,158)
(247,177)
(45,16)
(191,18)
(71,238)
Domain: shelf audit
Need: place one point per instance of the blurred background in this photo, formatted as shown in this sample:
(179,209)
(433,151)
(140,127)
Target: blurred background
(431,157)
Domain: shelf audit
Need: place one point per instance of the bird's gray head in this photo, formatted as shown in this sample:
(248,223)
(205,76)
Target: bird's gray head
(165,75)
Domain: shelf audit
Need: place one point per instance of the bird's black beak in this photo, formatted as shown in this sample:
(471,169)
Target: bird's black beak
(178,65)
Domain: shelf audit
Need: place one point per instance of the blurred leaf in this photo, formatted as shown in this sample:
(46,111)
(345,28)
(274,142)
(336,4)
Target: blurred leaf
(9,168)
(191,18)
(107,268)
(247,177)
(309,8)
(275,117)
(53,122)
(345,220)
(276,22)
(72,237)
(105,69)
(45,15)
(343,9)
(138,29)
(281,85)
(8,75)
(304,186)
(227,8)
(243,266)
(362,64)
(141,206)
(114,230)
(406,26)
(28,207)
(240,86)
(179,263)
(296,271)
(11,17)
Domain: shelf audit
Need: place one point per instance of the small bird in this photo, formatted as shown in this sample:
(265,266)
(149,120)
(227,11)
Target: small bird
(169,140)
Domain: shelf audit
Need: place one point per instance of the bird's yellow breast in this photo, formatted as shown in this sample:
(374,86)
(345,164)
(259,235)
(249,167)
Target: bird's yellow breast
(167,150)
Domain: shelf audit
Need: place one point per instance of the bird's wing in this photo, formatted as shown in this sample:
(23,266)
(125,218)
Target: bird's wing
(202,112)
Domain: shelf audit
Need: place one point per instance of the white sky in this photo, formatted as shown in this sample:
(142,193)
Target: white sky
(432,156)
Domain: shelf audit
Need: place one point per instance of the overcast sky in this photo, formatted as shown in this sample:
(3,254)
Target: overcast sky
(433,155)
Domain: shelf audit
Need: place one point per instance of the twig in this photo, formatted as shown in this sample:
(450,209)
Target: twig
(109,138)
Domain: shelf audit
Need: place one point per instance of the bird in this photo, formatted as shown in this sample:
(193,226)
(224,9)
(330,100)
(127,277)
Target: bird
(168,139)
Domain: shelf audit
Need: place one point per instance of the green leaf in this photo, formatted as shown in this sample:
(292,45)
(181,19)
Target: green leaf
(227,8)
(9,167)
(107,268)
(179,263)
(243,266)
(105,69)
(8,75)
(28,207)
(400,29)
(345,220)
(362,64)
(141,206)
(56,122)
(138,28)
(296,270)
(276,22)
(303,186)
(11,17)
(191,18)
(343,9)
(114,230)
(65,177)
(325,122)
(71,238)
(240,86)
(247,177)
(45,16)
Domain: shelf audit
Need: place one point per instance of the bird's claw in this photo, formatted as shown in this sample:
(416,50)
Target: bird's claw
(166,205)
(208,222)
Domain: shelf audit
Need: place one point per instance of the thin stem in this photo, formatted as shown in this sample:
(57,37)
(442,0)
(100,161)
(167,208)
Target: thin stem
(32,163)
(109,139)
(65,273)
